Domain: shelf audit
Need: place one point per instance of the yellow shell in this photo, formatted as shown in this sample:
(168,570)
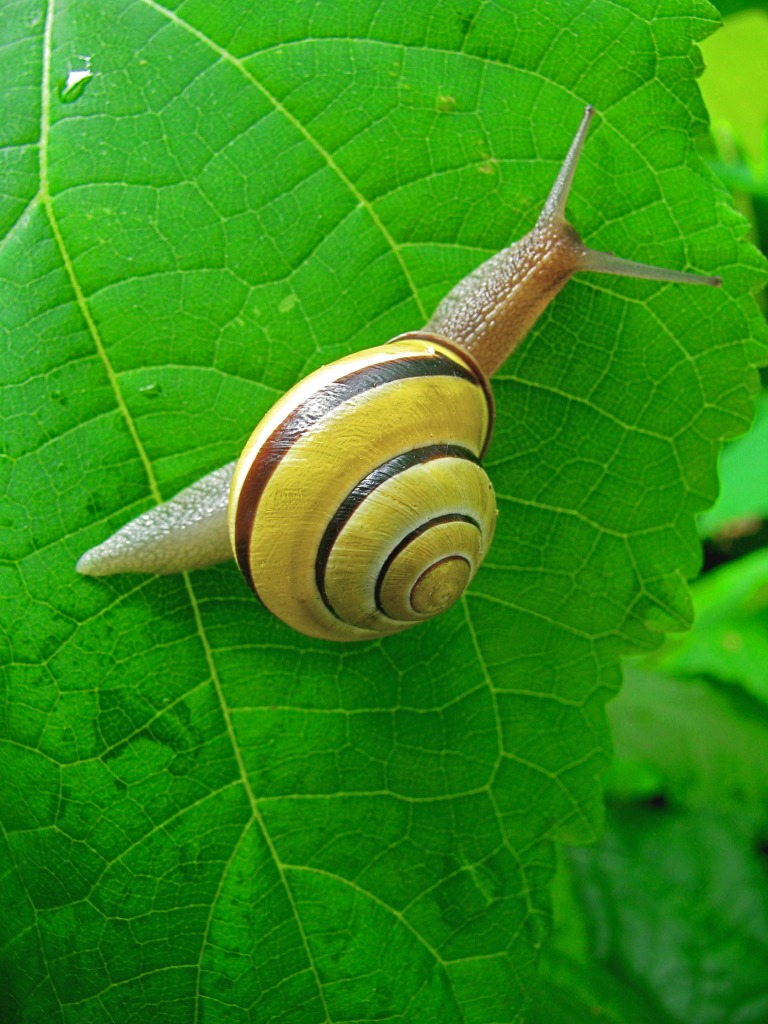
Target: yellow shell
(359,506)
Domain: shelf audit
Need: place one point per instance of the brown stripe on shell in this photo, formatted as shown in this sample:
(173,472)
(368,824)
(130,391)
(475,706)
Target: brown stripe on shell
(466,357)
(386,471)
(450,517)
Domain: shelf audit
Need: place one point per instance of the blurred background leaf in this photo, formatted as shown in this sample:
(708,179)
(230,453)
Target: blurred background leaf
(673,900)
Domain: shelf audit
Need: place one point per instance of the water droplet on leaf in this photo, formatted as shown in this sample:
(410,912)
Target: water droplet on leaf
(77,79)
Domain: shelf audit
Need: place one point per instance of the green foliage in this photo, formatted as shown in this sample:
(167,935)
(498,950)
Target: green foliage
(206,816)
(735,88)
(735,59)
(729,641)
(743,478)
(674,898)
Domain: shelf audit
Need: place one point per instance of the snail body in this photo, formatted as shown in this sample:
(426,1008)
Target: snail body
(359,506)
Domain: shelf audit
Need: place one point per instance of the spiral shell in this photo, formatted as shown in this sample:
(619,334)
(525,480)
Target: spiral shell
(359,506)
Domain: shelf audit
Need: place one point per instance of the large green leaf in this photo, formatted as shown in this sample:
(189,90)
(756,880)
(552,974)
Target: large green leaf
(206,816)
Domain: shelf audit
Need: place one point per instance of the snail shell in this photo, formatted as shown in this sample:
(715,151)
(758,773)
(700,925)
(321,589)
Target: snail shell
(375,460)
(359,506)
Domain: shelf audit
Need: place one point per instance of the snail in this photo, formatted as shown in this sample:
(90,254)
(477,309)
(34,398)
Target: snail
(359,506)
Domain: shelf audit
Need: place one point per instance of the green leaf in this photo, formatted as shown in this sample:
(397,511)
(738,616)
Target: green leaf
(207,816)
(680,911)
(735,87)
(743,479)
(571,993)
(674,896)
(735,60)
(728,641)
(706,745)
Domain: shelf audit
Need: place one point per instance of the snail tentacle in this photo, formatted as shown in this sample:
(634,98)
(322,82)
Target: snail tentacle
(490,311)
